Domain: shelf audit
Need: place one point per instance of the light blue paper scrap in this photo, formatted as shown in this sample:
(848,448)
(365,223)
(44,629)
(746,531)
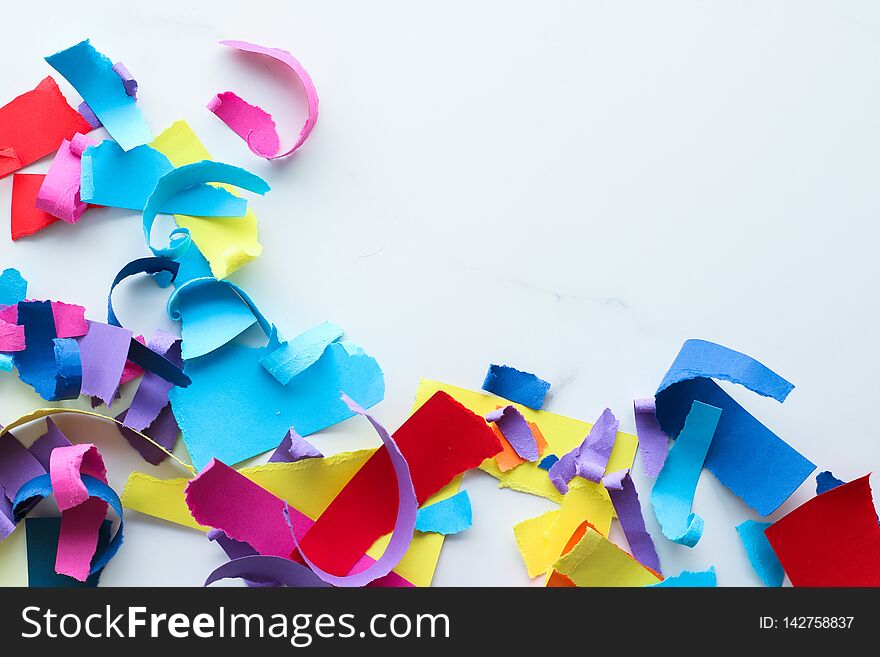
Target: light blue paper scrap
(689,579)
(761,555)
(13,287)
(746,457)
(299,354)
(673,493)
(449,516)
(125,179)
(91,74)
(256,409)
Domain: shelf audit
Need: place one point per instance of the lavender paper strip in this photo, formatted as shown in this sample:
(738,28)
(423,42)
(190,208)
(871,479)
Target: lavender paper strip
(128,81)
(7,524)
(87,113)
(103,350)
(294,448)
(401,535)
(265,569)
(152,393)
(163,430)
(235,550)
(590,458)
(653,443)
(17,466)
(516,430)
(42,447)
(625,498)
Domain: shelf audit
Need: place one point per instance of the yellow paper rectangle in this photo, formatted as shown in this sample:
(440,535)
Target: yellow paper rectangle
(596,561)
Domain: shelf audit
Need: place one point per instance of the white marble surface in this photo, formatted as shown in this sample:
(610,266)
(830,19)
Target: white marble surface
(573,188)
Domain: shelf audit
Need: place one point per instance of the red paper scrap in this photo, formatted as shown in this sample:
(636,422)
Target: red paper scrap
(831,540)
(34,124)
(27,218)
(439,441)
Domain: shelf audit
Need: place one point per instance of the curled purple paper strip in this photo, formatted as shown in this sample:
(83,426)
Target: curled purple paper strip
(516,431)
(401,536)
(265,569)
(128,81)
(625,499)
(653,442)
(590,458)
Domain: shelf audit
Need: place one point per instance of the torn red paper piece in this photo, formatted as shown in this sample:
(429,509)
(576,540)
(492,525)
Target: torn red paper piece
(34,124)
(439,441)
(831,540)
(27,218)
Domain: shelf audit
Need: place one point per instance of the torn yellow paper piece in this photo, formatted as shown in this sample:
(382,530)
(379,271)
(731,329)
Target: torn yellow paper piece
(596,561)
(309,485)
(562,434)
(585,500)
(531,539)
(226,242)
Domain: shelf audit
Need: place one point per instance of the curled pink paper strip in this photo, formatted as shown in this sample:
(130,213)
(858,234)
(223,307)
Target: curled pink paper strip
(81,516)
(255,125)
(401,536)
(59,193)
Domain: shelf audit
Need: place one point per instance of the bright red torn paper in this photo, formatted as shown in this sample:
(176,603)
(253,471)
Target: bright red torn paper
(439,441)
(27,218)
(34,124)
(831,540)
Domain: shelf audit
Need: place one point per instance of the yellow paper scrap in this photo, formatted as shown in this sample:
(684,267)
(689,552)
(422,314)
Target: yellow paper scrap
(562,434)
(596,561)
(531,539)
(584,500)
(226,242)
(309,485)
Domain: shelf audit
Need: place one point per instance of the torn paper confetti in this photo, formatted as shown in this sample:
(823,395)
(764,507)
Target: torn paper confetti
(520,387)
(516,432)
(673,493)
(589,459)
(59,194)
(451,516)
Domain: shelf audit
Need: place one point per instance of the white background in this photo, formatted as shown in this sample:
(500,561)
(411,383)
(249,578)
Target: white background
(573,188)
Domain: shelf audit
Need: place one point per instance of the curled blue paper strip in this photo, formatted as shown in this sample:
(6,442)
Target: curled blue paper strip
(51,365)
(300,353)
(745,456)
(115,178)
(177,181)
(689,579)
(673,493)
(91,74)
(138,353)
(449,516)
(521,387)
(40,488)
(760,553)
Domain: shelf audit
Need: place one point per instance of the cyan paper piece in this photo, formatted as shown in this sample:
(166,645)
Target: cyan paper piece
(449,516)
(258,409)
(590,458)
(50,365)
(210,315)
(92,75)
(673,493)
(177,181)
(759,552)
(690,579)
(297,355)
(13,287)
(125,179)
(40,488)
(294,448)
(748,458)
(521,387)
(42,544)
(826,481)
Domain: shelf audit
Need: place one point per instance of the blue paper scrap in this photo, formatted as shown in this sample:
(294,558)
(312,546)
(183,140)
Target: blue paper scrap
(49,364)
(521,387)
(826,481)
(760,553)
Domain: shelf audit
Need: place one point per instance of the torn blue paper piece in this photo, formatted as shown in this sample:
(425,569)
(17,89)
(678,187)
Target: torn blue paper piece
(182,178)
(258,409)
(125,179)
(516,431)
(590,458)
(746,457)
(294,448)
(826,481)
(299,354)
(690,579)
(760,553)
(520,387)
(673,493)
(40,488)
(449,516)
(210,315)
(42,544)
(92,75)
(548,461)
(50,365)
(13,287)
